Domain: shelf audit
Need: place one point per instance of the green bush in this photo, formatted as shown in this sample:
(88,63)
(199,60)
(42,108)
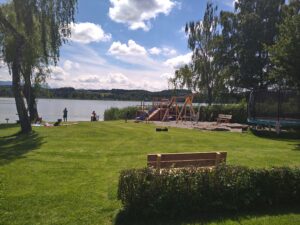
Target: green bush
(238,112)
(190,192)
(120,114)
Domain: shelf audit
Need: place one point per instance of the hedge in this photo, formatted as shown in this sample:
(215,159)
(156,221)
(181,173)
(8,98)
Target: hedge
(190,192)
(238,112)
(120,114)
(207,113)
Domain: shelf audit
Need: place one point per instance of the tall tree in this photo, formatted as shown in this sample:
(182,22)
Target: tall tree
(202,74)
(285,53)
(51,19)
(183,77)
(246,35)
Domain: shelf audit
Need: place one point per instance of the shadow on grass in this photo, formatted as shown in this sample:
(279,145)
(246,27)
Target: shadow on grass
(15,146)
(283,136)
(123,219)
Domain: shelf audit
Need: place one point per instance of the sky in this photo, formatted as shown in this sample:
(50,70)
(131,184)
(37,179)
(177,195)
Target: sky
(126,44)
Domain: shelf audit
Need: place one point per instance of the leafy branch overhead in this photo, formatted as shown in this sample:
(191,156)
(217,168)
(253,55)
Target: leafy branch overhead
(32,32)
(254,47)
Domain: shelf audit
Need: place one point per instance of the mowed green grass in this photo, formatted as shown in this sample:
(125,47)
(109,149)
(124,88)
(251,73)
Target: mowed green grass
(69,174)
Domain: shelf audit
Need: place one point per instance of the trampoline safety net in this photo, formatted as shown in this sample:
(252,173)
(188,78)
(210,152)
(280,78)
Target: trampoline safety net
(270,107)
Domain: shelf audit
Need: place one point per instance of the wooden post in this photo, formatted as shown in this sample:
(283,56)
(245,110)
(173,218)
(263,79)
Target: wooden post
(158,159)
(218,154)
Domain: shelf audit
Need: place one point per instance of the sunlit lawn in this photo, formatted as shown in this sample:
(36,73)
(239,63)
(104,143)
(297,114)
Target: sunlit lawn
(69,174)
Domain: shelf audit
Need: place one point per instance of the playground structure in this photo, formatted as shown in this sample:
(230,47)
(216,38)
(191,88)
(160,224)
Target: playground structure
(168,109)
(279,109)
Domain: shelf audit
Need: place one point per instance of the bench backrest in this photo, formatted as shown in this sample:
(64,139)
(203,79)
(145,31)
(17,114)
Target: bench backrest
(224,116)
(177,160)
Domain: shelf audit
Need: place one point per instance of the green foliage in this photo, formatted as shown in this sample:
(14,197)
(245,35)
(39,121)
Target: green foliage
(238,112)
(285,53)
(120,114)
(190,192)
(202,75)
(69,174)
(245,57)
(31,34)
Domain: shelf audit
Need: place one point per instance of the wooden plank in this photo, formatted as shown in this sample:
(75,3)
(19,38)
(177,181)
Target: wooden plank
(177,160)
(224,116)
(177,164)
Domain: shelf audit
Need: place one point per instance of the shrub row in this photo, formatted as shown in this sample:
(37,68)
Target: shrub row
(238,112)
(120,114)
(146,193)
(207,113)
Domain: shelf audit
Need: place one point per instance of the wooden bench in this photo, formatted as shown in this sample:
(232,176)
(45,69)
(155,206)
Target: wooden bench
(177,160)
(223,118)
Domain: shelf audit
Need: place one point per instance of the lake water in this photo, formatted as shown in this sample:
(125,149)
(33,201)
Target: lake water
(52,109)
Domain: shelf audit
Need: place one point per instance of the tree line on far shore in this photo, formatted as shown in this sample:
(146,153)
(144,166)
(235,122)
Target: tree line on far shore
(123,95)
(114,94)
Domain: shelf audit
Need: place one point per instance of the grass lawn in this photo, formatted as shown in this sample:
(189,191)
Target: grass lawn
(69,174)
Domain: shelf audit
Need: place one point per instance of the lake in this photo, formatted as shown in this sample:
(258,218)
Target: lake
(52,109)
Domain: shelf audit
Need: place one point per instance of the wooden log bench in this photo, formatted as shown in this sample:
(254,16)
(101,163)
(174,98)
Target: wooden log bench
(223,118)
(179,160)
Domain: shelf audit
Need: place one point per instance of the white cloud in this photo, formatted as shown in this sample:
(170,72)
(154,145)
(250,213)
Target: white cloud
(179,61)
(117,78)
(94,72)
(138,13)
(68,65)
(169,51)
(58,73)
(130,49)
(154,51)
(82,67)
(167,75)
(89,79)
(86,33)
(165,51)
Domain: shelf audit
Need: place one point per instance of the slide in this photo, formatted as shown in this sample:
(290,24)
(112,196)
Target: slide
(153,114)
(142,117)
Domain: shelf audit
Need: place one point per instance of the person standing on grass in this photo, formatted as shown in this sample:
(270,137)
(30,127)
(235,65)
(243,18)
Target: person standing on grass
(127,116)
(65,116)
(94,116)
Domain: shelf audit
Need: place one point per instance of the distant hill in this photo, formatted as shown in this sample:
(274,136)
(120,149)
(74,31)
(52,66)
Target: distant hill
(114,94)
(5,83)
(119,94)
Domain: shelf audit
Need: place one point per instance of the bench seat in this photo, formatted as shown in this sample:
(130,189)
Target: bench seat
(223,118)
(179,160)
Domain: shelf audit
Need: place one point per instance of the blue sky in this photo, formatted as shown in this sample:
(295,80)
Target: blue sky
(128,44)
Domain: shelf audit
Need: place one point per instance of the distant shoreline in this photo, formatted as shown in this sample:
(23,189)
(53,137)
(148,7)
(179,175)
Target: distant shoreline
(114,100)
(101,94)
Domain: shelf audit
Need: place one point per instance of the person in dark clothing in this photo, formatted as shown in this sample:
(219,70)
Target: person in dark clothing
(127,116)
(94,116)
(65,116)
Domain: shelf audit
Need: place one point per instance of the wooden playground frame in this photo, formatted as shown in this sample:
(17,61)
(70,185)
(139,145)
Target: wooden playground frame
(170,108)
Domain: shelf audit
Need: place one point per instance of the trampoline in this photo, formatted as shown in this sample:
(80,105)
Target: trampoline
(274,108)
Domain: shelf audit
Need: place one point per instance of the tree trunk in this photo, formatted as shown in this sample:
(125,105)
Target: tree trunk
(30,96)
(19,98)
(209,95)
(16,73)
